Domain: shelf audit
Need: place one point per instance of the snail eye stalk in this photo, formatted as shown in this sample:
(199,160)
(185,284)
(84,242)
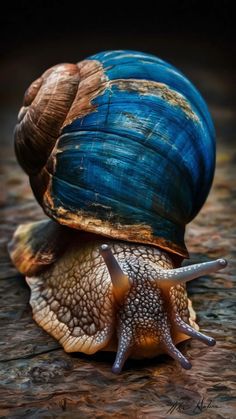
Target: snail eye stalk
(119,280)
(188,273)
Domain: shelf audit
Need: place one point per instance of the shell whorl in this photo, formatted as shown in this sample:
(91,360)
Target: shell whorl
(120,145)
(45,107)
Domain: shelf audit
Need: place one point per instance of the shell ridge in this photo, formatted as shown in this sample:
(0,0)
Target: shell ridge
(183,169)
(162,90)
(180,168)
(112,200)
(193,94)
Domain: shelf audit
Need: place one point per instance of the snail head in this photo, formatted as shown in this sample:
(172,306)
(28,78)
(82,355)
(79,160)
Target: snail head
(152,303)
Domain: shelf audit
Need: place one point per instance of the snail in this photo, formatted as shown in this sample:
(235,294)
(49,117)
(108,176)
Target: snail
(120,153)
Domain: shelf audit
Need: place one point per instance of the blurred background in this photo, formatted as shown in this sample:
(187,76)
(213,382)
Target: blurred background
(196,36)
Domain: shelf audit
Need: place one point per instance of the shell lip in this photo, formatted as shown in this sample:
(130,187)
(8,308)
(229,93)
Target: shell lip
(136,233)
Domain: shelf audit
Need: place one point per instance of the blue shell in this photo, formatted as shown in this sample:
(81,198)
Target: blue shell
(137,161)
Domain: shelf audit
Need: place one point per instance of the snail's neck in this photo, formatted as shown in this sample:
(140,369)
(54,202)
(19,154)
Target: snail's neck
(129,251)
(143,254)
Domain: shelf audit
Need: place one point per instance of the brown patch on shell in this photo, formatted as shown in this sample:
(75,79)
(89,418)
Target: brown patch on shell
(148,87)
(46,105)
(92,83)
(63,93)
(32,91)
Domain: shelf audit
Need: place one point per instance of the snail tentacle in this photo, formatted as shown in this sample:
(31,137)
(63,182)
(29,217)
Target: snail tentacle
(123,351)
(119,280)
(188,330)
(174,352)
(188,273)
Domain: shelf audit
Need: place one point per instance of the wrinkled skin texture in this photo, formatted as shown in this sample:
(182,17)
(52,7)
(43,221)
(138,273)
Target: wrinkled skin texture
(73,300)
(115,296)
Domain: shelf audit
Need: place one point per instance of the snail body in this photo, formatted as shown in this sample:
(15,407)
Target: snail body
(120,153)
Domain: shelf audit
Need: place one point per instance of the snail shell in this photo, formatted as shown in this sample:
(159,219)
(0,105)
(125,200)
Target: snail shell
(121,144)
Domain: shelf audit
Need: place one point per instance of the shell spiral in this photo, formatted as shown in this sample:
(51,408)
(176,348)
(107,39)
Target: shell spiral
(120,144)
